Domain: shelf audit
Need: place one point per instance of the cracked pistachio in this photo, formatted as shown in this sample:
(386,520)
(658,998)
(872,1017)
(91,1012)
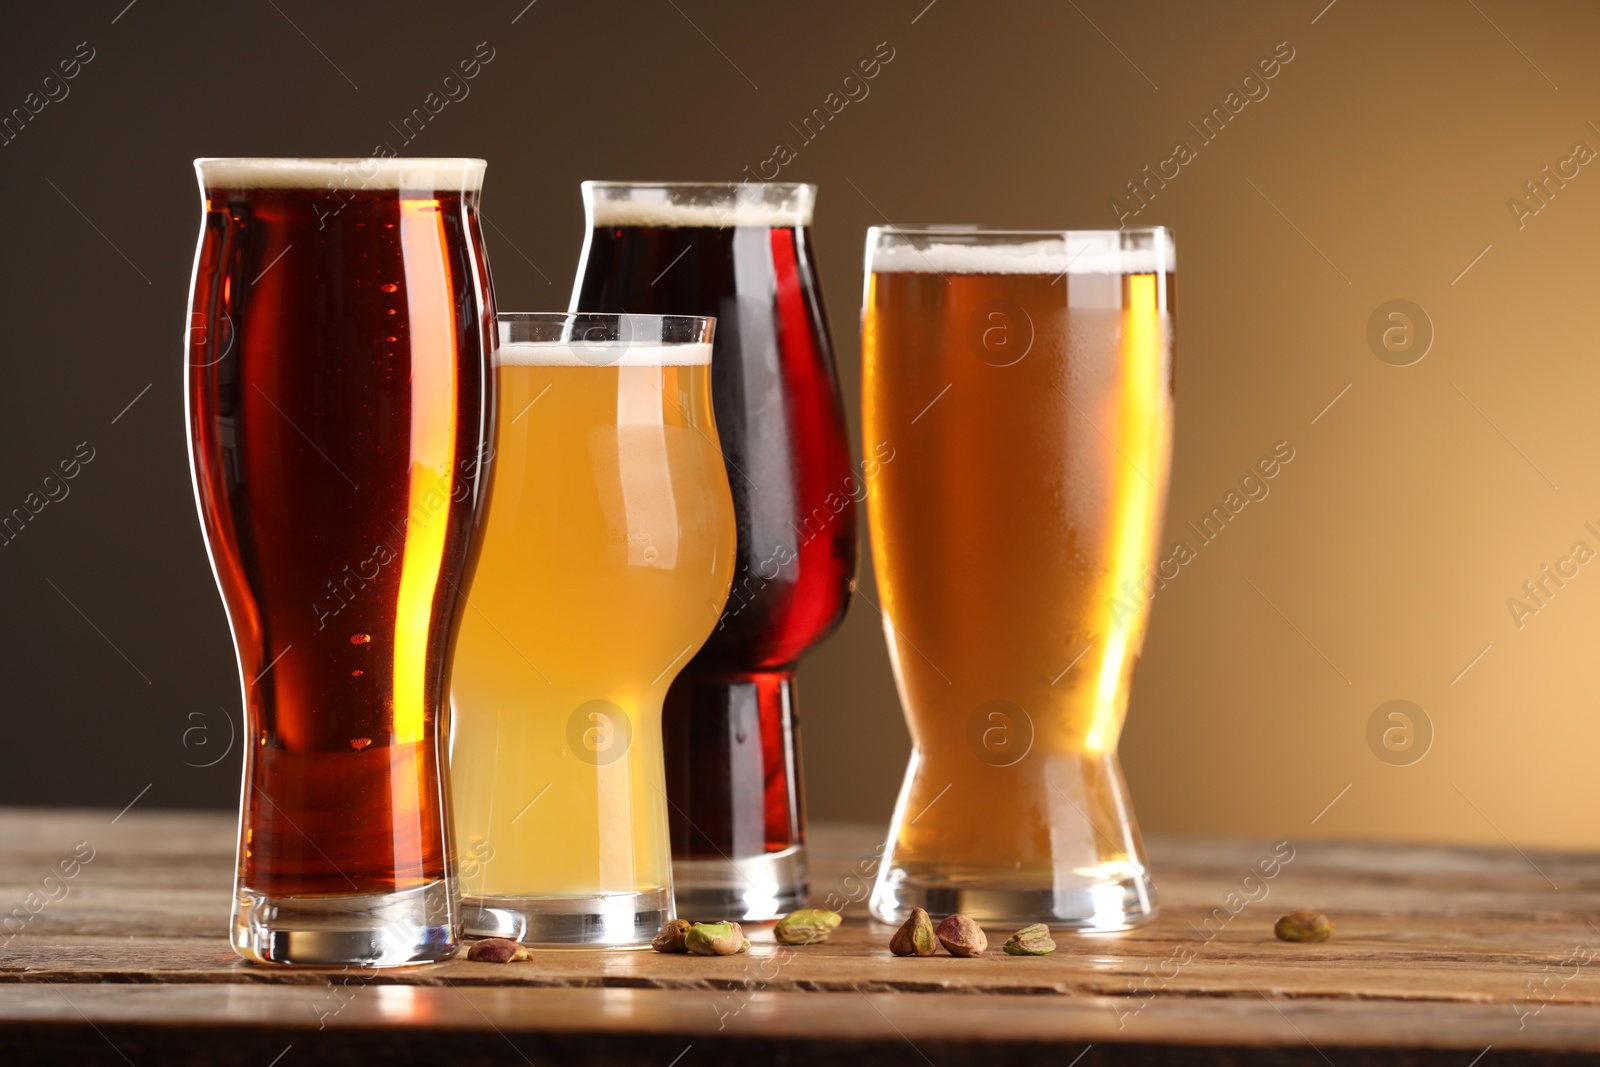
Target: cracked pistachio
(1031,940)
(716,939)
(808,926)
(670,939)
(915,936)
(498,950)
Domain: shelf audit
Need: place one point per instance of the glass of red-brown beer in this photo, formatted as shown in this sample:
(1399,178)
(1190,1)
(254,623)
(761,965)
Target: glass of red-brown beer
(339,404)
(741,252)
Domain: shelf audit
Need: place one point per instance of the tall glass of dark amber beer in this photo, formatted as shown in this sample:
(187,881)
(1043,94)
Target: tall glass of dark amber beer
(741,252)
(340,401)
(1025,382)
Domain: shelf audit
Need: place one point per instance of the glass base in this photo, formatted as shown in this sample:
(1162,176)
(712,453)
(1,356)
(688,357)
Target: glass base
(605,920)
(1046,838)
(369,930)
(1117,900)
(733,782)
(745,890)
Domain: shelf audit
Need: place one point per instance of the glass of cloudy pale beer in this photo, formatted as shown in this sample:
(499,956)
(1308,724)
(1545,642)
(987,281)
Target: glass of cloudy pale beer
(606,561)
(742,252)
(1025,382)
(339,404)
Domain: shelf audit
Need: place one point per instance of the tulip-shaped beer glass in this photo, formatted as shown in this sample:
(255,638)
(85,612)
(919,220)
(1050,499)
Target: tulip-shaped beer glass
(339,401)
(606,560)
(742,252)
(1025,382)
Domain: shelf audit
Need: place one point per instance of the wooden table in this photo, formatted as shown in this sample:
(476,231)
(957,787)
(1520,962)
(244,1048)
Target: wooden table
(1440,955)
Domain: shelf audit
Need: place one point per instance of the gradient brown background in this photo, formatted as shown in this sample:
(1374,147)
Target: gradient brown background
(1378,168)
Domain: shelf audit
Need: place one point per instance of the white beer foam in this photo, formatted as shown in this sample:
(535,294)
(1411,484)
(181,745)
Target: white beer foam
(371,172)
(1086,255)
(794,210)
(601,354)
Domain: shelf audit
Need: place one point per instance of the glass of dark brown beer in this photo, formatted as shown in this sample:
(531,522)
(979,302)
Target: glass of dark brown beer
(1014,542)
(742,254)
(340,404)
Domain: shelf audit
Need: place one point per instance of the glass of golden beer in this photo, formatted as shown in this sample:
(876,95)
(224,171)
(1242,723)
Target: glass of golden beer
(605,562)
(1024,380)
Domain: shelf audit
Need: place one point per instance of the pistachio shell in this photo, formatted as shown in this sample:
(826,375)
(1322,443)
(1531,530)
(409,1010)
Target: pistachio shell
(1031,940)
(915,936)
(961,936)
(670,939)
(808,926)
(498,950)
(1304,926)
(716,939)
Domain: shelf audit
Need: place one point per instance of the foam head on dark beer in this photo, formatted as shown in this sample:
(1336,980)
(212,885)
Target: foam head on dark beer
(677,205)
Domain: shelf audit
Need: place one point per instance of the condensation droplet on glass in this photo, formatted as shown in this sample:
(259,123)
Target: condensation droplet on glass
(388,287)
(389,312)
(360,639)
(359,743)
(391,338)
(650,553)
(355,674)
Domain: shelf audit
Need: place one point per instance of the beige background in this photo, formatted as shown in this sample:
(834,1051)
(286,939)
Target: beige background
(1378,168)
(1408,518)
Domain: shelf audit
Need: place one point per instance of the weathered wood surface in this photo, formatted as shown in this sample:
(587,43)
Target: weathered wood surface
(1439,955)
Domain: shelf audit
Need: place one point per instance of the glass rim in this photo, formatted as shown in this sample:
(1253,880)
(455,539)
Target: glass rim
(719,205)
(936,230)
(463,173)
(554,317)
(602,339)
(395,162)
(788,187)
(975,250)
